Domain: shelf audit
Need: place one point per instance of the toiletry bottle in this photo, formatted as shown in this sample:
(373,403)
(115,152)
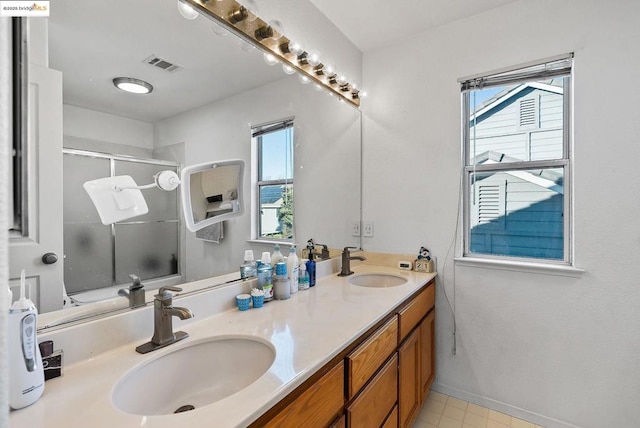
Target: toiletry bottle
(248,268)
(293,269)
(26,382)
(281,285)
(311,265)
(277,256)
(265,276)
(303,278)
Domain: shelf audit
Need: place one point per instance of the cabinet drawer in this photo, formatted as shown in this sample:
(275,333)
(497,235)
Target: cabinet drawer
(392,419)
(411,314)
(365,360)
(376,401)
(318,406)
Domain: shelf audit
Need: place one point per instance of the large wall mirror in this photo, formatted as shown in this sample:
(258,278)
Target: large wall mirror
(210,91)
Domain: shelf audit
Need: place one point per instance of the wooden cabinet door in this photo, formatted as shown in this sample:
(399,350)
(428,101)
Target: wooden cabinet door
(409,385)
(427,351)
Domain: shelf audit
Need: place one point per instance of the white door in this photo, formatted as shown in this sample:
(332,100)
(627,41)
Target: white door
(44,194)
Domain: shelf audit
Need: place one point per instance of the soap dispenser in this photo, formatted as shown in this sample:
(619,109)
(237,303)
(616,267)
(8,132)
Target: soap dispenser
(311,264)
(26,379)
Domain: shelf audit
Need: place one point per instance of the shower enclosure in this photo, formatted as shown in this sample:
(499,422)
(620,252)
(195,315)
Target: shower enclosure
(99,256)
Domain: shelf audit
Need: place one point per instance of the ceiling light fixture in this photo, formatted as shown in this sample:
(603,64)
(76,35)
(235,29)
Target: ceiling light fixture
(134,86)
(240,17)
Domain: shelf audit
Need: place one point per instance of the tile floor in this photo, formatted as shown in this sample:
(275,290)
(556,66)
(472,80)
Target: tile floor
(442,411)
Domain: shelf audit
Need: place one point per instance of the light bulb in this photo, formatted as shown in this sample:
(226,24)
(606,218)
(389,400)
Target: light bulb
(329,70)
(362,94)
(187,11)
(304,79)
(342,80)
(313,58)
(270,59)
(296,47)
(288,69)
(278,29)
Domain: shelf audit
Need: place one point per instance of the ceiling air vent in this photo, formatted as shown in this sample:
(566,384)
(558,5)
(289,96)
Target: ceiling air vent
(161,63)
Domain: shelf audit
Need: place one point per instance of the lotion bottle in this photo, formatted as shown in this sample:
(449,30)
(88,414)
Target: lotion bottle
(26,379)
(293,266)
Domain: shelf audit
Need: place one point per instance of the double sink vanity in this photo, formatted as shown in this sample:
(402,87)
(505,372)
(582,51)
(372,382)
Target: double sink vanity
(351,351)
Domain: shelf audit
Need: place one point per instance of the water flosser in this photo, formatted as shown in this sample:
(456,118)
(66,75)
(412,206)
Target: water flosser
(26,379)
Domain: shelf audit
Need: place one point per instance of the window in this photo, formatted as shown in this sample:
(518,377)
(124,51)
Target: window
(517,163)
(274,143)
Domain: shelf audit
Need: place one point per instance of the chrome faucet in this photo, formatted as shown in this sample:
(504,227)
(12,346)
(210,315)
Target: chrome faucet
(163,313)
(135,293)
(346,261)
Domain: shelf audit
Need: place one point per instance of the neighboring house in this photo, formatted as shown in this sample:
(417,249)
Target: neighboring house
(270,201)
(518,213)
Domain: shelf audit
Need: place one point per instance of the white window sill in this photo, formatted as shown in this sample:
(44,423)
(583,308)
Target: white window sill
(519,266)
(270,243)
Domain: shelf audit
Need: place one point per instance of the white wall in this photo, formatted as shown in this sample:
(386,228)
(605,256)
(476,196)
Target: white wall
(560,351)
(101,128)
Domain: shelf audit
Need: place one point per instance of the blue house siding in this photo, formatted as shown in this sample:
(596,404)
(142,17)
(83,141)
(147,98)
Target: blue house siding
(516,218)
(501,130)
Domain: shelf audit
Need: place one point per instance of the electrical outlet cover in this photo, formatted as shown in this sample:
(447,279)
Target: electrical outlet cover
(367,229)
(355,228)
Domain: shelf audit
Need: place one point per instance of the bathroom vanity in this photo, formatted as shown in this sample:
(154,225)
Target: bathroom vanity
(339,354)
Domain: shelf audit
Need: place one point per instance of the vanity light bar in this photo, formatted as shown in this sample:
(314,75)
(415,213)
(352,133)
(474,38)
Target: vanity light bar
(240,20)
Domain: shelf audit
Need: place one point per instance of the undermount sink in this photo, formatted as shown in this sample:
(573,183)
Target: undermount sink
(377,280)
(193,376)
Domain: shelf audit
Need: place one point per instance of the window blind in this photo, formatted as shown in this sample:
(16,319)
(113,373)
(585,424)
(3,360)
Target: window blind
(545,70)
(271,127)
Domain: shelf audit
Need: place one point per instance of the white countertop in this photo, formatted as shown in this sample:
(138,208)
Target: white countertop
(307,331)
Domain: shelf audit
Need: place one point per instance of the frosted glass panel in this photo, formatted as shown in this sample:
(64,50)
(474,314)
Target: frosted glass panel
(77,170)
(88,263)
(162,205)
(147,250)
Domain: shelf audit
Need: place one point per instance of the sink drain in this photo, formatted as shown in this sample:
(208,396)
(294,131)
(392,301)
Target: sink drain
(184,408)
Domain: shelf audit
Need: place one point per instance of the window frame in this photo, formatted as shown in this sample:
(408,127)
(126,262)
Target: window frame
(257,132)
(538,71)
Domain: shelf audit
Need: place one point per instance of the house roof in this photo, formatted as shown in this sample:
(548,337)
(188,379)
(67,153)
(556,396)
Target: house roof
(270,194)
(540,177)
(501,97)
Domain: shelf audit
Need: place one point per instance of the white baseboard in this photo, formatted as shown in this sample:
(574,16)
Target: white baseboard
(499,406)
